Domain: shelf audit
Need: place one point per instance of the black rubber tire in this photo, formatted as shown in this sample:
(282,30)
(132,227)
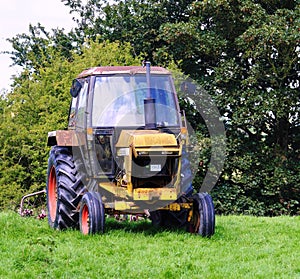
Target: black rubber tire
(203,219)
(64,189)
(92,214)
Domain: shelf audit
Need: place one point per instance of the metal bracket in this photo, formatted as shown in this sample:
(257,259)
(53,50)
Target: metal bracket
(28,196)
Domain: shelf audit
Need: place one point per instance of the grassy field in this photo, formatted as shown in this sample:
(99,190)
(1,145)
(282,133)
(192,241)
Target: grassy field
(243,247)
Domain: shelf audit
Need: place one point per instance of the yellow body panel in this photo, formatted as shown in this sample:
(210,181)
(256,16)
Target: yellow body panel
(133,143)
(147,194)
(140,194)
(120,192)
(145,138)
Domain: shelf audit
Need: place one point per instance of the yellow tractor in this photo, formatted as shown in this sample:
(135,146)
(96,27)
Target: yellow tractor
(124,152)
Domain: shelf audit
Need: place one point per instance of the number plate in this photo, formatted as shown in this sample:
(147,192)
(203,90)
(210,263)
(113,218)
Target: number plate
(155,167)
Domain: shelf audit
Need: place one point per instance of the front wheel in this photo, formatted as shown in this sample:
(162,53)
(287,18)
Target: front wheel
(92,215)
(203,218)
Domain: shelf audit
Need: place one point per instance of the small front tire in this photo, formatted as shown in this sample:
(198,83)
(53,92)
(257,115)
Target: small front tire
(203,218)
(92,214)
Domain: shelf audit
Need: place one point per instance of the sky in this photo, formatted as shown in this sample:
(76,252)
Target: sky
(15,17)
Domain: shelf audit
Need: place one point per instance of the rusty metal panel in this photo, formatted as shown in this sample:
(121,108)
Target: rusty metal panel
(121,70)
(63,137)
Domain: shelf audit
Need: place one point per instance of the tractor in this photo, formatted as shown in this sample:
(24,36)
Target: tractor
(125,151)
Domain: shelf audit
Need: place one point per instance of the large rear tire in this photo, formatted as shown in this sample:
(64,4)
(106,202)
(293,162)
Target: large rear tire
(92,214)
(203,219)
(64,189)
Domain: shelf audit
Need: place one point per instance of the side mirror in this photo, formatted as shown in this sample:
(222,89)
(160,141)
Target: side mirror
(188,87)
(76,87)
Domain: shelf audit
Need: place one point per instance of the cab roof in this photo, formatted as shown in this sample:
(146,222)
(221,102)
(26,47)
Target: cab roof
(132,70)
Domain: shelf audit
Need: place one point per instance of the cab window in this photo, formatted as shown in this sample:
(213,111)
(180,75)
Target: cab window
(72,112)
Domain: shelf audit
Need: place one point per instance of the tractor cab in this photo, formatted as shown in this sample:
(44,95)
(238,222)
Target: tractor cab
(128,124)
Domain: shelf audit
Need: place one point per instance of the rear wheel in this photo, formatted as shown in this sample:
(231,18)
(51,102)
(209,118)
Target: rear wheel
(92,215)
(203,219)
(64,189)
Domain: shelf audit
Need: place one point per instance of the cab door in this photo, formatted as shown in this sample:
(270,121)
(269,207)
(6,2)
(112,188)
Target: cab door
(78,122)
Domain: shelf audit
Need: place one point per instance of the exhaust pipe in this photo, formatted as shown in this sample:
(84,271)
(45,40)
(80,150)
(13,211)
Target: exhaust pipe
(149,103)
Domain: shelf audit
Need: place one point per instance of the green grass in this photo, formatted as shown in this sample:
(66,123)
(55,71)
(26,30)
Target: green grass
(243,247)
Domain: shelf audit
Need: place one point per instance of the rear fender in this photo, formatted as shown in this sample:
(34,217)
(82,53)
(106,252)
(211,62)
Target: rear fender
(62,138)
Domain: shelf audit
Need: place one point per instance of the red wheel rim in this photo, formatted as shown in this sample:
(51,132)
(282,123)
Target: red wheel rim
(85,219)
(52,194)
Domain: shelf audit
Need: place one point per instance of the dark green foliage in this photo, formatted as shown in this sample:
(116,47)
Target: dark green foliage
(137,22)
(31,51)
(246,55)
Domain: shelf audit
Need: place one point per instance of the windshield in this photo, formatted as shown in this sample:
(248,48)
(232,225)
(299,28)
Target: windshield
(119,100)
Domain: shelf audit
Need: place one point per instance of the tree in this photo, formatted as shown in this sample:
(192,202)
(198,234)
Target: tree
(246,54)
(31,51)
(135,21)
(40,104)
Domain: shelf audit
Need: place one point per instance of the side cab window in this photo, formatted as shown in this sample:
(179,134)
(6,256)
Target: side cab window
(78,107)
(72,113)
(81,105)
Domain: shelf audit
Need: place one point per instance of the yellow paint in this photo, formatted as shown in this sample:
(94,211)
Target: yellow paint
(145,138)
(120,192)
(146,194)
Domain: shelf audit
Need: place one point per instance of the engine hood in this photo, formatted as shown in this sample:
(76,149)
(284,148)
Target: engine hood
(145,140)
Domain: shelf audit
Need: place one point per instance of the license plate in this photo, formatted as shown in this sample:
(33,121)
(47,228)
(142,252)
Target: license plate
(155,167)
